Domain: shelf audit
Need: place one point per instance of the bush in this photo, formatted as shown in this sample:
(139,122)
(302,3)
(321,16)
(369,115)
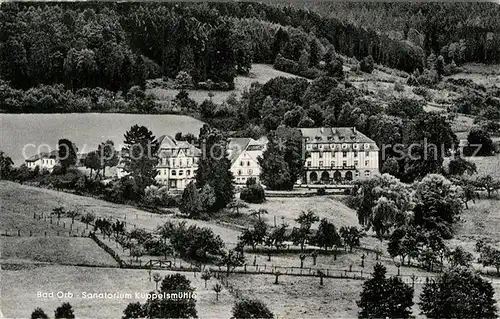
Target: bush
(367,64)
(290,66)
(253,193)
(412,81)
(321,191)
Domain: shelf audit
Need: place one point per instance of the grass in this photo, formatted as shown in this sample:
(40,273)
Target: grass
(25,200)
(487,165)
(19,291)
(59,250)
(260,73)
(287,209)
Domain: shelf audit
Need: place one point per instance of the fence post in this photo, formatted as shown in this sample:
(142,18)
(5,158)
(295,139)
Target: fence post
(57,233)
(34,215)
(30,233)
(45,233)
(18,232)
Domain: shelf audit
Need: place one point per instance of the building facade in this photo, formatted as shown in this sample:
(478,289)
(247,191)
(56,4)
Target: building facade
(45,160)
(244,154)
(334,155)
(177,163)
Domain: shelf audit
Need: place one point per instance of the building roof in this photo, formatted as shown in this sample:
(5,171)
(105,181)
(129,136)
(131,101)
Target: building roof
(236,145)
(53,154)
(171,147)
(336,135)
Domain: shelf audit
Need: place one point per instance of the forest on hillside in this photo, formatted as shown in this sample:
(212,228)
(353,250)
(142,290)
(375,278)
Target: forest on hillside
(459,31)
(118,45)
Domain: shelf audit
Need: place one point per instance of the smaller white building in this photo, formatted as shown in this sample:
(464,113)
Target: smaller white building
(244,154)
(44,160)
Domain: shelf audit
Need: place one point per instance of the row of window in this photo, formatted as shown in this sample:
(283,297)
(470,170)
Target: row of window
(180,163)
(344,163)
(250,171)
(344,154)
(175,172)
(337,146)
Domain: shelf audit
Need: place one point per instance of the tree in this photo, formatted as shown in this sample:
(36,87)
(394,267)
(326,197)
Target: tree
(439,203)
(251,308)
(367,64)
(217,288)
(173,307)
(458,293)
(277,237)
(459,166)
(214,167)
(479,143)
(460,257)
(190,203)
(5,165)
(183,81)
(303,233)
(281,163)
(231,259)
(134,310)
(206,275)
(488,183)
(108,155)
(65,311)
(67,154)
(350,236)
(38,313)
(327,235)
(137,251)
(140,156)
(385,297)
(385,213)
(92,162)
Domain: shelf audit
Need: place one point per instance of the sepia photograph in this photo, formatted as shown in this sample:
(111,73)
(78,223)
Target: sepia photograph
(249,159)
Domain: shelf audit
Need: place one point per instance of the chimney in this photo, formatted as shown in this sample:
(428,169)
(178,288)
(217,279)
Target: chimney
(322,130)
(354,130)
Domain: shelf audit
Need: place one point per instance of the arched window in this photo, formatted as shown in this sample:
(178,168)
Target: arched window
(174,172)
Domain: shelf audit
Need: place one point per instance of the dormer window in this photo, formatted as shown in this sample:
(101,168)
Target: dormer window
(355,146)
(332,146)
(367,146)
(344,146)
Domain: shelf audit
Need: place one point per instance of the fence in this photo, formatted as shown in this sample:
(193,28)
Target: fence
(108,249)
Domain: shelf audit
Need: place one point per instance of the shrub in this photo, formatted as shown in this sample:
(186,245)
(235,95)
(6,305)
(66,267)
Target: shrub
(321,191)
(367,64)
(253,193)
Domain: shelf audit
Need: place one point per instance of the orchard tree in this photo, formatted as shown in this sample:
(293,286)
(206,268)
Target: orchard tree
(460,257)
(93,162)
(489,183)
(458,293)
(385,297)
(303,233)
(251,308)
(206,275)
(350,236)
(231,259)
(277,237)
(327,235)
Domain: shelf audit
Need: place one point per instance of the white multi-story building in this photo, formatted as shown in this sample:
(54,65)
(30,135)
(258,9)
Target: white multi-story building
(45,160)
(333,155)
(243,154)
(177,163)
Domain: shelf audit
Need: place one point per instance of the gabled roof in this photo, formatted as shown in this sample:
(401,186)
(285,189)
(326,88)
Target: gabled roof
(236,145)
(53,154)
(171,147)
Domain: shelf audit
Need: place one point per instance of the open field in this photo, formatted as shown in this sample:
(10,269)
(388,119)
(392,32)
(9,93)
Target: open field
(19,291)
(260,73)
(487,165)
(287,209)
(59,250)
(26,200)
